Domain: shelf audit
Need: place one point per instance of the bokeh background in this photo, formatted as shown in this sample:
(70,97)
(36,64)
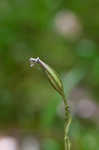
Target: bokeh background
(64,34)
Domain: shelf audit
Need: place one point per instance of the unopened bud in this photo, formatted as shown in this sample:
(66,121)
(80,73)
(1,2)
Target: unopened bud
(51,74)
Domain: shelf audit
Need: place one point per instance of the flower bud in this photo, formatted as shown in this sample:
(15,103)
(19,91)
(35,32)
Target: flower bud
(50,73)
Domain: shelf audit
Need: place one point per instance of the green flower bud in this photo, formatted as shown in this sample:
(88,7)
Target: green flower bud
(50,73)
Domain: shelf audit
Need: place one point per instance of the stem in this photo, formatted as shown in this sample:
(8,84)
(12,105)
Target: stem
(57,84)
(68,120)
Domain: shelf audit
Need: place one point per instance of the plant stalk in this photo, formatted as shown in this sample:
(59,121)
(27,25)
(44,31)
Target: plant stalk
(57,84)
(68,120)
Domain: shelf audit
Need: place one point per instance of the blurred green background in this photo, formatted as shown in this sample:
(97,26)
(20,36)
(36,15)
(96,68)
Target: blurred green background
(64,34)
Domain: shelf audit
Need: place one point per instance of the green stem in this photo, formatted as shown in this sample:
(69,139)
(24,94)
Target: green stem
(68,119)
(57,84)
